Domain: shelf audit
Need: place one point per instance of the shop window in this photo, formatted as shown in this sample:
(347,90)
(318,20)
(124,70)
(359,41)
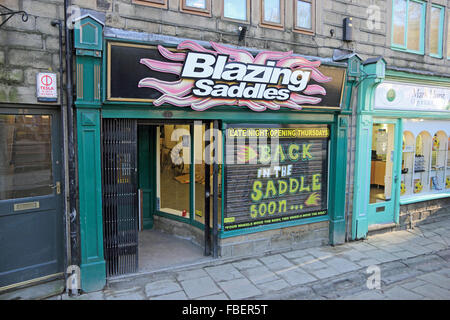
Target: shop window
(272,13)
(236,9)
(152,3)
(202,7)
(408,25)
(408,153)
(422,163)
(438,161)
(173,174)
(25,156)
(436,31)
(448,34)
(275,174)
(447,176)
(383,136)
(304,13)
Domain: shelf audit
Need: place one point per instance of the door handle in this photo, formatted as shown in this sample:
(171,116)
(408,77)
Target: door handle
(57,185)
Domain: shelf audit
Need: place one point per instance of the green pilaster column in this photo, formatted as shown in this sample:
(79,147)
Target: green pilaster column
(373,72)
(93,272)
(88,44)
(338,181)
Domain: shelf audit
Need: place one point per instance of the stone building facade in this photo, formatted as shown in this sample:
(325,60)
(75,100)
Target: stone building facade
(27,48)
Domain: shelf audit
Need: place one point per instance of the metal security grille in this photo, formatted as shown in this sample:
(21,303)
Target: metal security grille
(120,203)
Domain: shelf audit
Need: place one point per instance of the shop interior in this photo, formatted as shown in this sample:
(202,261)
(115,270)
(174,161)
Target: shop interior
(170,156)
(383,136)
(425,163)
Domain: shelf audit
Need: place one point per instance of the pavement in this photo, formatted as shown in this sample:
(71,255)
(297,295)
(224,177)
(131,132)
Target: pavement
(408,265)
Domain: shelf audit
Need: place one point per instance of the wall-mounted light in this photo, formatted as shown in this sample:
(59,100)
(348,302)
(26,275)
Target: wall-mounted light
(348,29)
(242,31)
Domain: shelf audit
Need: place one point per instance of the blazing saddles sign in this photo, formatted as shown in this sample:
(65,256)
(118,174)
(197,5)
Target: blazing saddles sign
(200,78)
(275,174)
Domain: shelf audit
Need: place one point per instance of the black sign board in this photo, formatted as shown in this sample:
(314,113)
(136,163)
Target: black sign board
(129,65)
(275,174)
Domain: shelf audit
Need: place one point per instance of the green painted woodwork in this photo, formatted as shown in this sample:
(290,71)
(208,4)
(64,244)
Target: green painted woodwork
(441,30)
(361,188)
(404,47)
(337,179)
(88,34)
(373,74)
(221,113)
(88,103)
(385,212)
(91,77)
(93,272)
(147,173)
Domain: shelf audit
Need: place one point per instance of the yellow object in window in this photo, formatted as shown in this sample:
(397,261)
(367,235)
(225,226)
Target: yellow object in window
(402,188)
(436,143)
(418,186)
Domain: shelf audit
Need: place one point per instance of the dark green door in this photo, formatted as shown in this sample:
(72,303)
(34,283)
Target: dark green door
(31,215)
(147,173)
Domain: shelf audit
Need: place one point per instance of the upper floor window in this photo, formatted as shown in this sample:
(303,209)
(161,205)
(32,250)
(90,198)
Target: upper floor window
(152,3)
(236,9)
(436,23)
(272,12)
(408,25)
(202,7)
(448,34)
(304,13)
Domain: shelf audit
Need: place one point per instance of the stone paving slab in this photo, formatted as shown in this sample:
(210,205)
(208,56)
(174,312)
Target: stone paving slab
(399,293)
(430,291)
(436,279)
(239,289)
(414,264)
(224,272)
(161,287)
(296,276)
(179,295)
(259,275)
(200,287)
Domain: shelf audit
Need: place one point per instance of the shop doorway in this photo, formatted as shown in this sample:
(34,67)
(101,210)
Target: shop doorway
(158,208)
(31,208)
(383,175)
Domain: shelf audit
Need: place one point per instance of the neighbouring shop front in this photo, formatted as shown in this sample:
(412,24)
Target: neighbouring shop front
(405,131)
(239,151)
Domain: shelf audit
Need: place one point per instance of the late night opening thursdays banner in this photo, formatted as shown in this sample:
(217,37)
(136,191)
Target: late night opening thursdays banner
(275,175)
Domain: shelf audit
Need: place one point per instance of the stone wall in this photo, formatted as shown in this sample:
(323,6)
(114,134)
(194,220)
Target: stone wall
(27,48)
(298,237)
(415,214)
(371,20)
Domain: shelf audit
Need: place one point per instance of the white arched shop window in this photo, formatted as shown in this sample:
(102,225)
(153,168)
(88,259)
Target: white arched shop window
(425,158)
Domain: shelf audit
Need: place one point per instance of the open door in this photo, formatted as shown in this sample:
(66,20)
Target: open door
(383,176)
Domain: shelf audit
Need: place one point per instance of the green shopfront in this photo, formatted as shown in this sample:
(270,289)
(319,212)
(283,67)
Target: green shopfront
(403,157)
(240,151)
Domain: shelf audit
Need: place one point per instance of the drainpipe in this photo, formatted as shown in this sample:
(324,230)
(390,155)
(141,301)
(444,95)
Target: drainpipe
(74,219)
(63,107)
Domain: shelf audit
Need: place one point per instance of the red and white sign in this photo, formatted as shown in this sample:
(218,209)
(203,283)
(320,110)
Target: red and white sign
(46,86)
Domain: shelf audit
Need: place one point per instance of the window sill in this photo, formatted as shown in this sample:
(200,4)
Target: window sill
(272,26)
(304,31)
(150,4)
(425,197)
(422,53)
